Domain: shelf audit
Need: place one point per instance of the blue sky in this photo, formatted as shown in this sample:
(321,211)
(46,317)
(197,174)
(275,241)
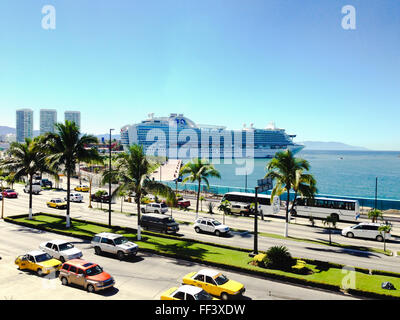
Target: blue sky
(224,62)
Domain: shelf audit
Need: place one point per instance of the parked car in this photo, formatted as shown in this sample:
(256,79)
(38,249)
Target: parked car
(104,198)
(75,197)
(210,225)
(61,250)
(85,274)
(183,204)
(215,283)
(10,193)
(159,222)
(46,183)
(82,188)
(36,189)
(1,196)
(240,208)
(38,261)
(365,230)
(155,208)
(57,203)
(186,292)
(115,244)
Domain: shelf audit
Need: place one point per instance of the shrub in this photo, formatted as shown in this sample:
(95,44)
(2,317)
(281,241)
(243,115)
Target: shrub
(300,268)
(278,257)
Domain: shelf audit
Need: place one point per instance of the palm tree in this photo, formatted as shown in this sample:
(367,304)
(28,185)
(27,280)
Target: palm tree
(65,148)
(384,229)
(284,168)
(122,194)
(198,170)
(225,207)
(375,214)
(304,185)
(132,171)
(330,221)
(25,159)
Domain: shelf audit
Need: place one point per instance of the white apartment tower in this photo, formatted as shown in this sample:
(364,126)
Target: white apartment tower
(24,124)
(73,116)
(48,118)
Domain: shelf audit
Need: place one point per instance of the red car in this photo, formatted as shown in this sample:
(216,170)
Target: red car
(10,193)
(183,204)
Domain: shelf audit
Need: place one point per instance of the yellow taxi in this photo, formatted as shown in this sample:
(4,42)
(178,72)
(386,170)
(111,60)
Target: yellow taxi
(82,188)
(186,292)
(57,203)
(38,261)
(215,283)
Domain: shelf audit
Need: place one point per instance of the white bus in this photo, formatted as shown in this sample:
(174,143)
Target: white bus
(344,209)
(241,201)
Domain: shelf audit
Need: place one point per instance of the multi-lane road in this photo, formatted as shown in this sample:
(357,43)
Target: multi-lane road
(143,277)
(241,238)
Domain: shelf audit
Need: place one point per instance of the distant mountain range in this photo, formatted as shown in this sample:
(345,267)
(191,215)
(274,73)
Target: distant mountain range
(7,130)
(320,145)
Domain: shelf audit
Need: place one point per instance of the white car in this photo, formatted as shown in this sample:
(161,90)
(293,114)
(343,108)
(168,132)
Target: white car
(155,208)
(61,250)
(36,189)
(115,244)
(75,197)
(365,230)
(210,225)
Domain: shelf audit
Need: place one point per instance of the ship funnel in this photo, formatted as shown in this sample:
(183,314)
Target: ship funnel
(271,126)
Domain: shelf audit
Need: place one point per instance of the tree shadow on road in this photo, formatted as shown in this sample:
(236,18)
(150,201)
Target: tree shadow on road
(352,252)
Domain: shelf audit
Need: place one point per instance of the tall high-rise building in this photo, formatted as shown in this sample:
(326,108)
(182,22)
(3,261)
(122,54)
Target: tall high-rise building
(73,116)
(24,124)
(48,118)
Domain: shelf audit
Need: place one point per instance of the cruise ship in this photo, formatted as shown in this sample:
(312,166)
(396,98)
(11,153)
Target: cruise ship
(178,137)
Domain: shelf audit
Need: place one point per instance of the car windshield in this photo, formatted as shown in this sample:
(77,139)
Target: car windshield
(217,223)
(163,205)
(10,190)
(65,246)
(221,279)
(94,270)
(170,220)
(120,240)
(57,200)
(42,257)
(202,295)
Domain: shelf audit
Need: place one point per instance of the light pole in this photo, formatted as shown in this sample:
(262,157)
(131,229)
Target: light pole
(376,192)
(255,251)
(2,200)
(109,185)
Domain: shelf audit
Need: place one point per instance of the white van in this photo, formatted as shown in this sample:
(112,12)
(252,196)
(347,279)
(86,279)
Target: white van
(36,189)
(365,230)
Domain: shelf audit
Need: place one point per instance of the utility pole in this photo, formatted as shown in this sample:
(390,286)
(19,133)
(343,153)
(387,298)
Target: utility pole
(109,185)
(376,192)
(255,251)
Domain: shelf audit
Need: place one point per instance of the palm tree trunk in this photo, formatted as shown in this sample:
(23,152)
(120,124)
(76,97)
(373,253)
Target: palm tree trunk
(90,192)
(68,202)
(30,196)
(197,202)
(294,200)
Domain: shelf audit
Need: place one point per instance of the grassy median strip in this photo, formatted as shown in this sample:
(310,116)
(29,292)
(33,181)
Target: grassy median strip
(325,275)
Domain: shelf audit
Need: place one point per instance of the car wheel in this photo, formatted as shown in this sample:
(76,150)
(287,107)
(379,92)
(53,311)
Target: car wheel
(39,272)
(224,296)
(143,210)
(120,255)
(62,259)
(90,288)
(379,238)
(97,250)
(197,229)
(349,235)
(64,281)
(217,233)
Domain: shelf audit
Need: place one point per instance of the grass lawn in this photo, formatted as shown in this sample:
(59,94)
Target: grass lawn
(214,254)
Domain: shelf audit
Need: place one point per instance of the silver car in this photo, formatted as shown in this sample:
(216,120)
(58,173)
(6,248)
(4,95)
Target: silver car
(114,244)
(61,250)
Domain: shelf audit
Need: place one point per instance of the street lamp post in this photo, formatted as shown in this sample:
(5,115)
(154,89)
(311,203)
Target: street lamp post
(109,185)
(2,200)
(255,250)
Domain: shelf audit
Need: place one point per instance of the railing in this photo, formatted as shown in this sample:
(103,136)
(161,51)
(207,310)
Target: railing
(381,204)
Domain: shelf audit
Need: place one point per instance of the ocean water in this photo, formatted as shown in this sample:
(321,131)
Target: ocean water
(343,173)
